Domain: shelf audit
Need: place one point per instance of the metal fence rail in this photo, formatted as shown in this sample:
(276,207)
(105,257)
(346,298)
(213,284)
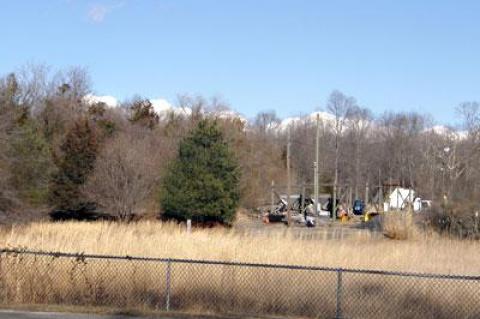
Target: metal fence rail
(30,277)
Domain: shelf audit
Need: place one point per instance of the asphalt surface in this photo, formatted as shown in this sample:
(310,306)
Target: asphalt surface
(7,314)
(21,314)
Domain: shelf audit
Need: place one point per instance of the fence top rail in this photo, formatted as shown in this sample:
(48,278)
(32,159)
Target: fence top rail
(83,257)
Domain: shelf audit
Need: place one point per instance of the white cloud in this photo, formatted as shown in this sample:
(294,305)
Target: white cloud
(447,131)
(107,99)
(161,105)
(98,12)
(230,114)
(323,116)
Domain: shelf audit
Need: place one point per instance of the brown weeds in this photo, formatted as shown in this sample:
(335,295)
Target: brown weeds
(202,288)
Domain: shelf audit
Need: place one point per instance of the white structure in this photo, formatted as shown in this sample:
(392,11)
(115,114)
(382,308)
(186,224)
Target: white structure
(399,199)
(421,204)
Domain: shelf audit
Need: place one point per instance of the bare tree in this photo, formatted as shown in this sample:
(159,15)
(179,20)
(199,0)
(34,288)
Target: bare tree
(35,85)
(359,124)
(340,106)
(470,114)
(266,121)
(126,172)
(464,153)
(192,107)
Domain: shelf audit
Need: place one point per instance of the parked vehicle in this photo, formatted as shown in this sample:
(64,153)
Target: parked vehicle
(358,207)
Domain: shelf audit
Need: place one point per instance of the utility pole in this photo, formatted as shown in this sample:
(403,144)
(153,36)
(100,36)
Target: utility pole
(335,180)
(272,199)
(288,177)
(366,193)
(380,192)
(350,199)
(389,191)
(316,164)
(303,199)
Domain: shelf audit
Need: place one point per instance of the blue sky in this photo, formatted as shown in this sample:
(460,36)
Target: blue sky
(281,55)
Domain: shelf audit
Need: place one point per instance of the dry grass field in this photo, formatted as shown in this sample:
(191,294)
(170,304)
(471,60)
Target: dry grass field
(153,239)
(203,288)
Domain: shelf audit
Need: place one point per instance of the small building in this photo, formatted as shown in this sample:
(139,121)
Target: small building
(399,199)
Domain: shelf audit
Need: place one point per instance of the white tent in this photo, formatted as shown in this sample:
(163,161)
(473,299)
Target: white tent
(399,198)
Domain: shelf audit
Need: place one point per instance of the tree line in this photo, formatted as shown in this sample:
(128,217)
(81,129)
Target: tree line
(59,150)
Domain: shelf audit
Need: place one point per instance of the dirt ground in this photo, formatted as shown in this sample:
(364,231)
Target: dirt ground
(326,229)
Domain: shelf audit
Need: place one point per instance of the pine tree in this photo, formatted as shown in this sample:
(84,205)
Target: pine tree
(143,113)
(203,182)
(77,160)
(30,163)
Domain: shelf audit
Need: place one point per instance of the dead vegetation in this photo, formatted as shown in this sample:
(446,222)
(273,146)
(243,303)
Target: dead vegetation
(223,289)
(400,226)
(420,253)
(50,280)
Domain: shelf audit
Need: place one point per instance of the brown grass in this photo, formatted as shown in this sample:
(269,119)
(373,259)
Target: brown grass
(226,289)
(153,239)
(400,226)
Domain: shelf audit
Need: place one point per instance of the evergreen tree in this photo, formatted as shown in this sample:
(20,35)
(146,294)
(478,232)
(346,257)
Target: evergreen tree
(203,183)
(143,113)
(77,160)
(30,163)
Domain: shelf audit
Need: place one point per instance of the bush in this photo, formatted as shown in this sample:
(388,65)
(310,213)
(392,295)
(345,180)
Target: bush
(460,219)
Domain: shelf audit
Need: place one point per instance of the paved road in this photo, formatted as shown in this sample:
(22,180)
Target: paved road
(6,314)
(14,314)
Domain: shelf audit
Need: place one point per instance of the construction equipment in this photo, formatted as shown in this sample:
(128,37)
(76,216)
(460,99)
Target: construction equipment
(301,209)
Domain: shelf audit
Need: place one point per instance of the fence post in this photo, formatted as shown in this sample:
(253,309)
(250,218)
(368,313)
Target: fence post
(338,312)
(168,284)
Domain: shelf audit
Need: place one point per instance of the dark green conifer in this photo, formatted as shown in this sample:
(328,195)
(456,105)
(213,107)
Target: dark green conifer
(203,183)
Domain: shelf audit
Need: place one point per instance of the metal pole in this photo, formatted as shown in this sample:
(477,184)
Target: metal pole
(168,285)
(317,155)
(338,312)
(288,178)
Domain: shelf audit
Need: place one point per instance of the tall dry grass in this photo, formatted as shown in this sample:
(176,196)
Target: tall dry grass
(154,239)
(48,280)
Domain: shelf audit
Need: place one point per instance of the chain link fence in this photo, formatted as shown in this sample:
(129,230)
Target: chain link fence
(151,284)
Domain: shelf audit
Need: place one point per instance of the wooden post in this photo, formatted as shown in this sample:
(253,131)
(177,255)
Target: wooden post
(189,226)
